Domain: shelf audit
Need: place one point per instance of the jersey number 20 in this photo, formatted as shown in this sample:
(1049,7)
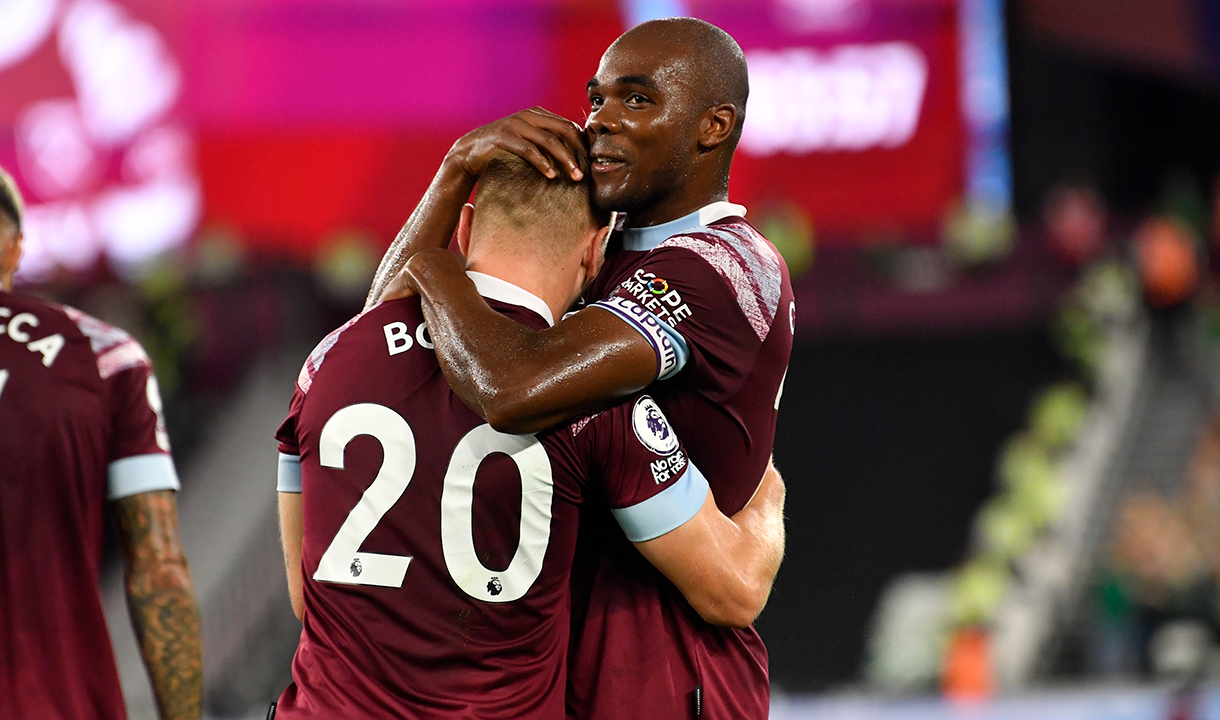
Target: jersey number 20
(343,561)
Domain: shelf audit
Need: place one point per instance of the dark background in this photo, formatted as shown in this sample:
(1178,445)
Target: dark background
(894,439)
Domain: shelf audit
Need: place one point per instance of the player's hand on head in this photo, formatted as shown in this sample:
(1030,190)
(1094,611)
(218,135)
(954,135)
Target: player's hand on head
(540,137)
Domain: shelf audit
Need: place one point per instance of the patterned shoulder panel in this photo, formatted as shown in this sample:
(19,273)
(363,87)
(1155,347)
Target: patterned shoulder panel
(580,423)
(314,362)
(113,347)
(744,259)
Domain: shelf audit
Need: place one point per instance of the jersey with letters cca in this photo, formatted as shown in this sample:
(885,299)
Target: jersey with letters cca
(80,424)
(713,297)
(437,551)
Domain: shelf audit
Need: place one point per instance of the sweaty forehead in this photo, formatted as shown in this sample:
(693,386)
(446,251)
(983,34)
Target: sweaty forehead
(642,61)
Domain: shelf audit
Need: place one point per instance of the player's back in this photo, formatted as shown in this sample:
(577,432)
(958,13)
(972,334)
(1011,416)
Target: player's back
(66,385)
(428,594)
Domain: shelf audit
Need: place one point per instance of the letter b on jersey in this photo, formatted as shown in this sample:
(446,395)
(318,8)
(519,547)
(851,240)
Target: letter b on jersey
(398,337)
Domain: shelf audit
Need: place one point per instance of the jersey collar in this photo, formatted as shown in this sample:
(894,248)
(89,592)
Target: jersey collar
(493,288)
(647,238)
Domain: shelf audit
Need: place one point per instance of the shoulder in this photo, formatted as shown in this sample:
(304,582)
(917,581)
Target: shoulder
(576,426)
(735,249)
(638,419)
(749,266)
(114,349)
(394,326)
(317,356)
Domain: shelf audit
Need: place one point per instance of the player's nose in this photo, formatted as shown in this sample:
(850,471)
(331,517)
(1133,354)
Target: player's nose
(602,121)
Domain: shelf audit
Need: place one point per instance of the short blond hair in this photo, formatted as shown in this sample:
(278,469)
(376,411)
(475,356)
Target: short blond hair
(513,197)
(11,203)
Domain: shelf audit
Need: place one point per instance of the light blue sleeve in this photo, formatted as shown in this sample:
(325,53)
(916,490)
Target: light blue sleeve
(288,476)
(140,473)
(667,511)
(671,348)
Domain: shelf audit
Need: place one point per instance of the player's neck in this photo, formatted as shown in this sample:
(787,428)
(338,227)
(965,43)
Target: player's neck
(690,198)
(552,284)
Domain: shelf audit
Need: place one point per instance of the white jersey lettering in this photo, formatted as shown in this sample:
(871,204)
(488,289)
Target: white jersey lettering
(49,346)
(422,336)
(397,337)
(14,327)
(17,330)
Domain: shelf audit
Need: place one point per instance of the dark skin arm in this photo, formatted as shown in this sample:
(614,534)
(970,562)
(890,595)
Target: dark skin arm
(161,600)
(517,379)
(542,138)
(522,380)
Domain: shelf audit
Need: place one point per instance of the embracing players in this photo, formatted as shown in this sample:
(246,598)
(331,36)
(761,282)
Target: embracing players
(694,296)
(80,430)
(428,554)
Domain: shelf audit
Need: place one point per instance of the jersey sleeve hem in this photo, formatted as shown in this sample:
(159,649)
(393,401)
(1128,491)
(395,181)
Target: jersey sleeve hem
(666,511)
(288,475)
(669,345)
(141,473)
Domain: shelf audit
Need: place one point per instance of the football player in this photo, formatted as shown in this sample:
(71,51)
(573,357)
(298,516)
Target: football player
(81,430)
(429,554)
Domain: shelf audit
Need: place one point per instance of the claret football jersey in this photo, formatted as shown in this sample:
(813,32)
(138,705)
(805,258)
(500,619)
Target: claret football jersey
(437,551)
(80,424)
(714,299)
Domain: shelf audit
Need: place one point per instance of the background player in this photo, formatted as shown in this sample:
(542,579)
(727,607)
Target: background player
(695,293)
(80,425)
(428,594)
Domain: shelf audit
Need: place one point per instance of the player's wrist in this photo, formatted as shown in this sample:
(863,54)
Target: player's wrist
(467,159)
(429,268)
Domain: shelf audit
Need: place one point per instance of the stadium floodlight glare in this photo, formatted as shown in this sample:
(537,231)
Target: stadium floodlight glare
(54,151)
(124,74)
(127,83)
(58,234)
(24,25)
(137,223)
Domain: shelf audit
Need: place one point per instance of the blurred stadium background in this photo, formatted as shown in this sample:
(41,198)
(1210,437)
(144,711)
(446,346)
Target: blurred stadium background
(999,432)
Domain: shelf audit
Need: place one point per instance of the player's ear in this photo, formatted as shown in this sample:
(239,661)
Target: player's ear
(595,251)
(10,258)
(717,125)
(463,229)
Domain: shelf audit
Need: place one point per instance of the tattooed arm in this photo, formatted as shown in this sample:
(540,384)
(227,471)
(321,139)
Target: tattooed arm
(161,601)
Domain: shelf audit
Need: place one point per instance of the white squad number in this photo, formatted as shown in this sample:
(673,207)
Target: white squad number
(343,562)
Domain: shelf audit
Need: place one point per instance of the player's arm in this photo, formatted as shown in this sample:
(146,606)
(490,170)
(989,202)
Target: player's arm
(292,527)
(291,533)
(161,600)
(545,140)
(725,566)
(522,380)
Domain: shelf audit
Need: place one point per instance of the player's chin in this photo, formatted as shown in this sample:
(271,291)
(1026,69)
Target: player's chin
(608,195)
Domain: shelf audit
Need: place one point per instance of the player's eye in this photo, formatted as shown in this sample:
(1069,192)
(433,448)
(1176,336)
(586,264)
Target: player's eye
(636,99)
(596,100)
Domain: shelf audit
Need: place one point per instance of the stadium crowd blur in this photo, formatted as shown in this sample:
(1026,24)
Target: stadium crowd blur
(944,374)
